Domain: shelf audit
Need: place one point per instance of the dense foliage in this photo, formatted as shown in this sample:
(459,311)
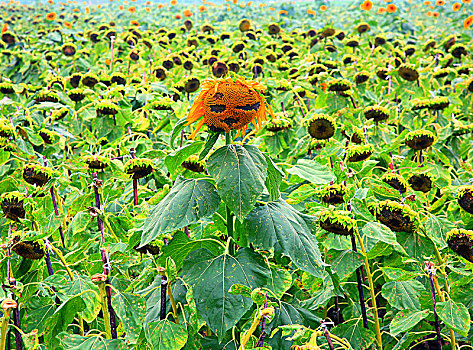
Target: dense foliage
(293,175)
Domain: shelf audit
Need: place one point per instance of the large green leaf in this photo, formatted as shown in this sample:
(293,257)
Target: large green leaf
(274,179)
(131,310)
(353,331)
(240,173)
(39,310)
(176,158)
(436,228)
(89,292)
(61,319)
(344,263)
(188,201)
(166,335)
(278,226)
(181,245)
(405,320)
(211,278)
(76,342)
(455,316)
(403,295)
(312,171)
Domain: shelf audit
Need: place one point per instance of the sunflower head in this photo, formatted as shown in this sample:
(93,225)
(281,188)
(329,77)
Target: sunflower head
(338,222)
(12,205)
(228,104)
(419,139)
(377,113)
(69,49)
(461,242)
(458,50)
(321,126)
(421,182)
(36,174)
(139,168)
(398,217)
(395,180)
(194,164)
(358,153)
(465,198)
(408,72)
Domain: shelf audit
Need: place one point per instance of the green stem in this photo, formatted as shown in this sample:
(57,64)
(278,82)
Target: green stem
(106,314)
(173,303)
(6,318)
(373,294)
(228,141)
(63,261)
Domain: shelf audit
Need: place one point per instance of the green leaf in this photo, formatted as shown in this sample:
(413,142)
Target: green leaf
(312,171)
(240,173)
(176,131)
(405,320)
(278,226)
(76,342)
(437,228)
(61,319)
(379,232)
(176,158)
(455,316)
(396,274)
(212,277)
(355,333)
(403,295)
(131,310)
(274,179)
(166,335)
(180,246)
(186,203)
(211,140)
(89,293)
(39,310)
(344,263)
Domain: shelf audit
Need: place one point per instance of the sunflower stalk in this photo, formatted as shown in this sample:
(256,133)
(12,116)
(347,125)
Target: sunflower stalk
(4,329)
(56,210)
(431,271)
(360,287)
(228,141)
(372,292)
(105,261)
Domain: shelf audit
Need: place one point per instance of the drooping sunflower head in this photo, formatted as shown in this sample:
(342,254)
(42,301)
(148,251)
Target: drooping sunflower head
(408,72)
(228,104)
(419,139)
(395,180)
(461,242)
(377,113)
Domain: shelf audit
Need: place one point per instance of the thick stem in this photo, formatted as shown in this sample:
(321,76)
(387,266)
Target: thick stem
(4,329)
(360,288)
(17,323)
(106,314)
(337,311)
(442,299)
(135,192)
(379,341)
(260,342)
(228,141)
(56,211)
(250,332)
(434,301)
(329,339)
(108,292)
(173,304)
(164,286)
(97,204)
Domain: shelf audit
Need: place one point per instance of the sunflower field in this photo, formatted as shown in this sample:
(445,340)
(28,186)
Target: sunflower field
(286,175)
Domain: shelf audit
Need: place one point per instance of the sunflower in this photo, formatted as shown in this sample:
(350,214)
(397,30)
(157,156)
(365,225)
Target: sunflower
(398,217)
(419,139)
(321,126)
(69,49)
(395,180)
(51,16)
(12,205)
(465,198)
(338,222)
(408,72)
(421,182)
(377,113)
(461,242)
(227,104)
(33,250)
(468,22)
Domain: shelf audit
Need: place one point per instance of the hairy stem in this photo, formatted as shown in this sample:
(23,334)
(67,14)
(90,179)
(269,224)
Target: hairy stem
(434,301)
(106,314)
(373,294)
(360,288)
(4,329)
